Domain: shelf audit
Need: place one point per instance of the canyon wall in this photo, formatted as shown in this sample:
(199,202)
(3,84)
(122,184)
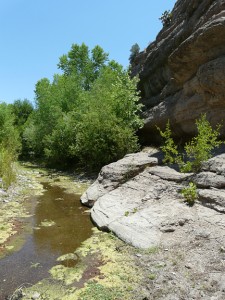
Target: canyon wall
(182,73)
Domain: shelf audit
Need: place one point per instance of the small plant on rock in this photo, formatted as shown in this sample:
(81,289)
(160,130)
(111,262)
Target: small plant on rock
(166,18)
(190,193)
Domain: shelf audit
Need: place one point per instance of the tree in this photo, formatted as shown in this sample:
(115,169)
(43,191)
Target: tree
(21,110)
(134,51)
(106,131)
(88,114)
(80,61)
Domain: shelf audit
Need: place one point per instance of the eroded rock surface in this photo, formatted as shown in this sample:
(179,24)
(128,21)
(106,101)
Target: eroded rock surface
(115,174)
(143,206)
(182,72)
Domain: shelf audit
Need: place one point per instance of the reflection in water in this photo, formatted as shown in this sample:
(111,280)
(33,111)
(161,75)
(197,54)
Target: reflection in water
(70,227)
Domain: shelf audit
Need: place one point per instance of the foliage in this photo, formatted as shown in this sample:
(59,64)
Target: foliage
(21,110)
(134,51)
(9,145)
(7,168)
(106,130)
(97,291)
(169,148)
(190,193)
(88,114)
(83,63)
(166,18)
(152,276)
(198,150)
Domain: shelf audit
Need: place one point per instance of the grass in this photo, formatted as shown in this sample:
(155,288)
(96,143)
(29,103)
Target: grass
(152,276)
(96,291)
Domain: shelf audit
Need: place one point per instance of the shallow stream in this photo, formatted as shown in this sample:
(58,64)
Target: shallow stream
(59,225)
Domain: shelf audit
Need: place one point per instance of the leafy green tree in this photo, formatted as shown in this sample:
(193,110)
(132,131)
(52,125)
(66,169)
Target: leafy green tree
(106,131)
(88,114)
(21,110)
(80,61)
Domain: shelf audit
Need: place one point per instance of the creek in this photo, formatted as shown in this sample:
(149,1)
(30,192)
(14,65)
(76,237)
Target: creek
(58,225)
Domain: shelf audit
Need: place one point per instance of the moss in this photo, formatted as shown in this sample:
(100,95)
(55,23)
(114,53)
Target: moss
(152,276)
(14,210)
(115,275)
(67,275)
(96,291)
(47,223)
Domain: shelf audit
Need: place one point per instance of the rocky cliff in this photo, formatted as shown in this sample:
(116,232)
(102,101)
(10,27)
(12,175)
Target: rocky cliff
(182,73)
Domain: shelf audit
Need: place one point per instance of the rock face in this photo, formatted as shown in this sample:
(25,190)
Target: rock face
(142,203)
(114,174)
(182,72)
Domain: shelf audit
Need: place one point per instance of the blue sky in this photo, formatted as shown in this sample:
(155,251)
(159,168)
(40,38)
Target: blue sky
(35,33)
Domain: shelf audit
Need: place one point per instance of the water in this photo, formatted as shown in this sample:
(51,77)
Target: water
(46,243)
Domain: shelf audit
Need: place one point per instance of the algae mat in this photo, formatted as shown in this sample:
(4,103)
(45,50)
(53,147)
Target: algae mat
(106,269)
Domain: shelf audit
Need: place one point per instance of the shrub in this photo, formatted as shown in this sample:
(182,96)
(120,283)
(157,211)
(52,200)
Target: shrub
(9,145)
(7,168)
(169,148)
(198,150)
(166,18)
(190,193)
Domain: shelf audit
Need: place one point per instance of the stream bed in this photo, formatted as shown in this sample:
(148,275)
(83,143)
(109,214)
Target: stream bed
(59,224)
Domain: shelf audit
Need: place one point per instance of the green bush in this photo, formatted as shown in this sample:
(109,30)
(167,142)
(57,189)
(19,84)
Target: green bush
(9,145)
(7,168)
(198,150)
(169,148)
(190,193)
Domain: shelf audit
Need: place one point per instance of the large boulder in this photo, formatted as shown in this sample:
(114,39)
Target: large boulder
(113,175)
(142,203)
(182,72)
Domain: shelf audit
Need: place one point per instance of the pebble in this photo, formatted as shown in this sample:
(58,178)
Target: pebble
(35,296)
(138,255)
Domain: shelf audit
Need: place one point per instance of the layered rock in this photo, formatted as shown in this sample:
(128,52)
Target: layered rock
(143,206)
(182,72)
